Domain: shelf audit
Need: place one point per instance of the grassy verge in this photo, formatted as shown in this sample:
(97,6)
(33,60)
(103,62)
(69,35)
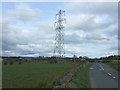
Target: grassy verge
(114,64)
(81,79)
(33,74)
(117,67)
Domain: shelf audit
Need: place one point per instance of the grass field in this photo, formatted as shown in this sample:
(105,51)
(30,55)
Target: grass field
(33,74)
(115,64)
(81,80)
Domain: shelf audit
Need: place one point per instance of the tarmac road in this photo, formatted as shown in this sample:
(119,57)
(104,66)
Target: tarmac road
(103,76)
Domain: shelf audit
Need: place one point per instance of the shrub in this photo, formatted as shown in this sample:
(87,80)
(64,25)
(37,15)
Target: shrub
(53,61)
(11,63)
(5,63)
(20,62)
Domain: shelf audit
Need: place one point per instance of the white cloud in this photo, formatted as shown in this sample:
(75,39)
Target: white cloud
(22,12)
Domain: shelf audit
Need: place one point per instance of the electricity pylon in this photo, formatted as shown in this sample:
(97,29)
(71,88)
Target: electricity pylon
(59,50)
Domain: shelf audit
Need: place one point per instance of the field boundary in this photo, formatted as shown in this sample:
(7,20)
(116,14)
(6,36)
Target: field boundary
(62,82)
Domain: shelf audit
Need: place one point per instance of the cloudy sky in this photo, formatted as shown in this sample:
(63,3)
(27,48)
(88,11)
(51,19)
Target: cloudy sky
(28,28)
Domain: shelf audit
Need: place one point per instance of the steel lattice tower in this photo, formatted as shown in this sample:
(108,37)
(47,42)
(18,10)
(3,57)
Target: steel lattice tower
(59,50)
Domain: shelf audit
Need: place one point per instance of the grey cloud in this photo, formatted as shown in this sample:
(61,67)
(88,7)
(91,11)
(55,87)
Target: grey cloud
(112,30)
(113,48)
(93,8)
(89,23)
(95,38)
(72,39)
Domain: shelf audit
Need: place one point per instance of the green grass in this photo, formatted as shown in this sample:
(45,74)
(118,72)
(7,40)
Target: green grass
(33,74)
(114,64)
(117,67)
(81,80)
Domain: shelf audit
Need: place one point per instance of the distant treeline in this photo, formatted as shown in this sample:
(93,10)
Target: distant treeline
(112,57)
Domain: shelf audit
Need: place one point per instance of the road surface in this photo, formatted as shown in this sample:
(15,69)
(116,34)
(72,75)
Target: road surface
(103,76)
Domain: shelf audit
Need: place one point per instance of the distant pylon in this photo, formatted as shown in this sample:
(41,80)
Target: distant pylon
(59,50)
